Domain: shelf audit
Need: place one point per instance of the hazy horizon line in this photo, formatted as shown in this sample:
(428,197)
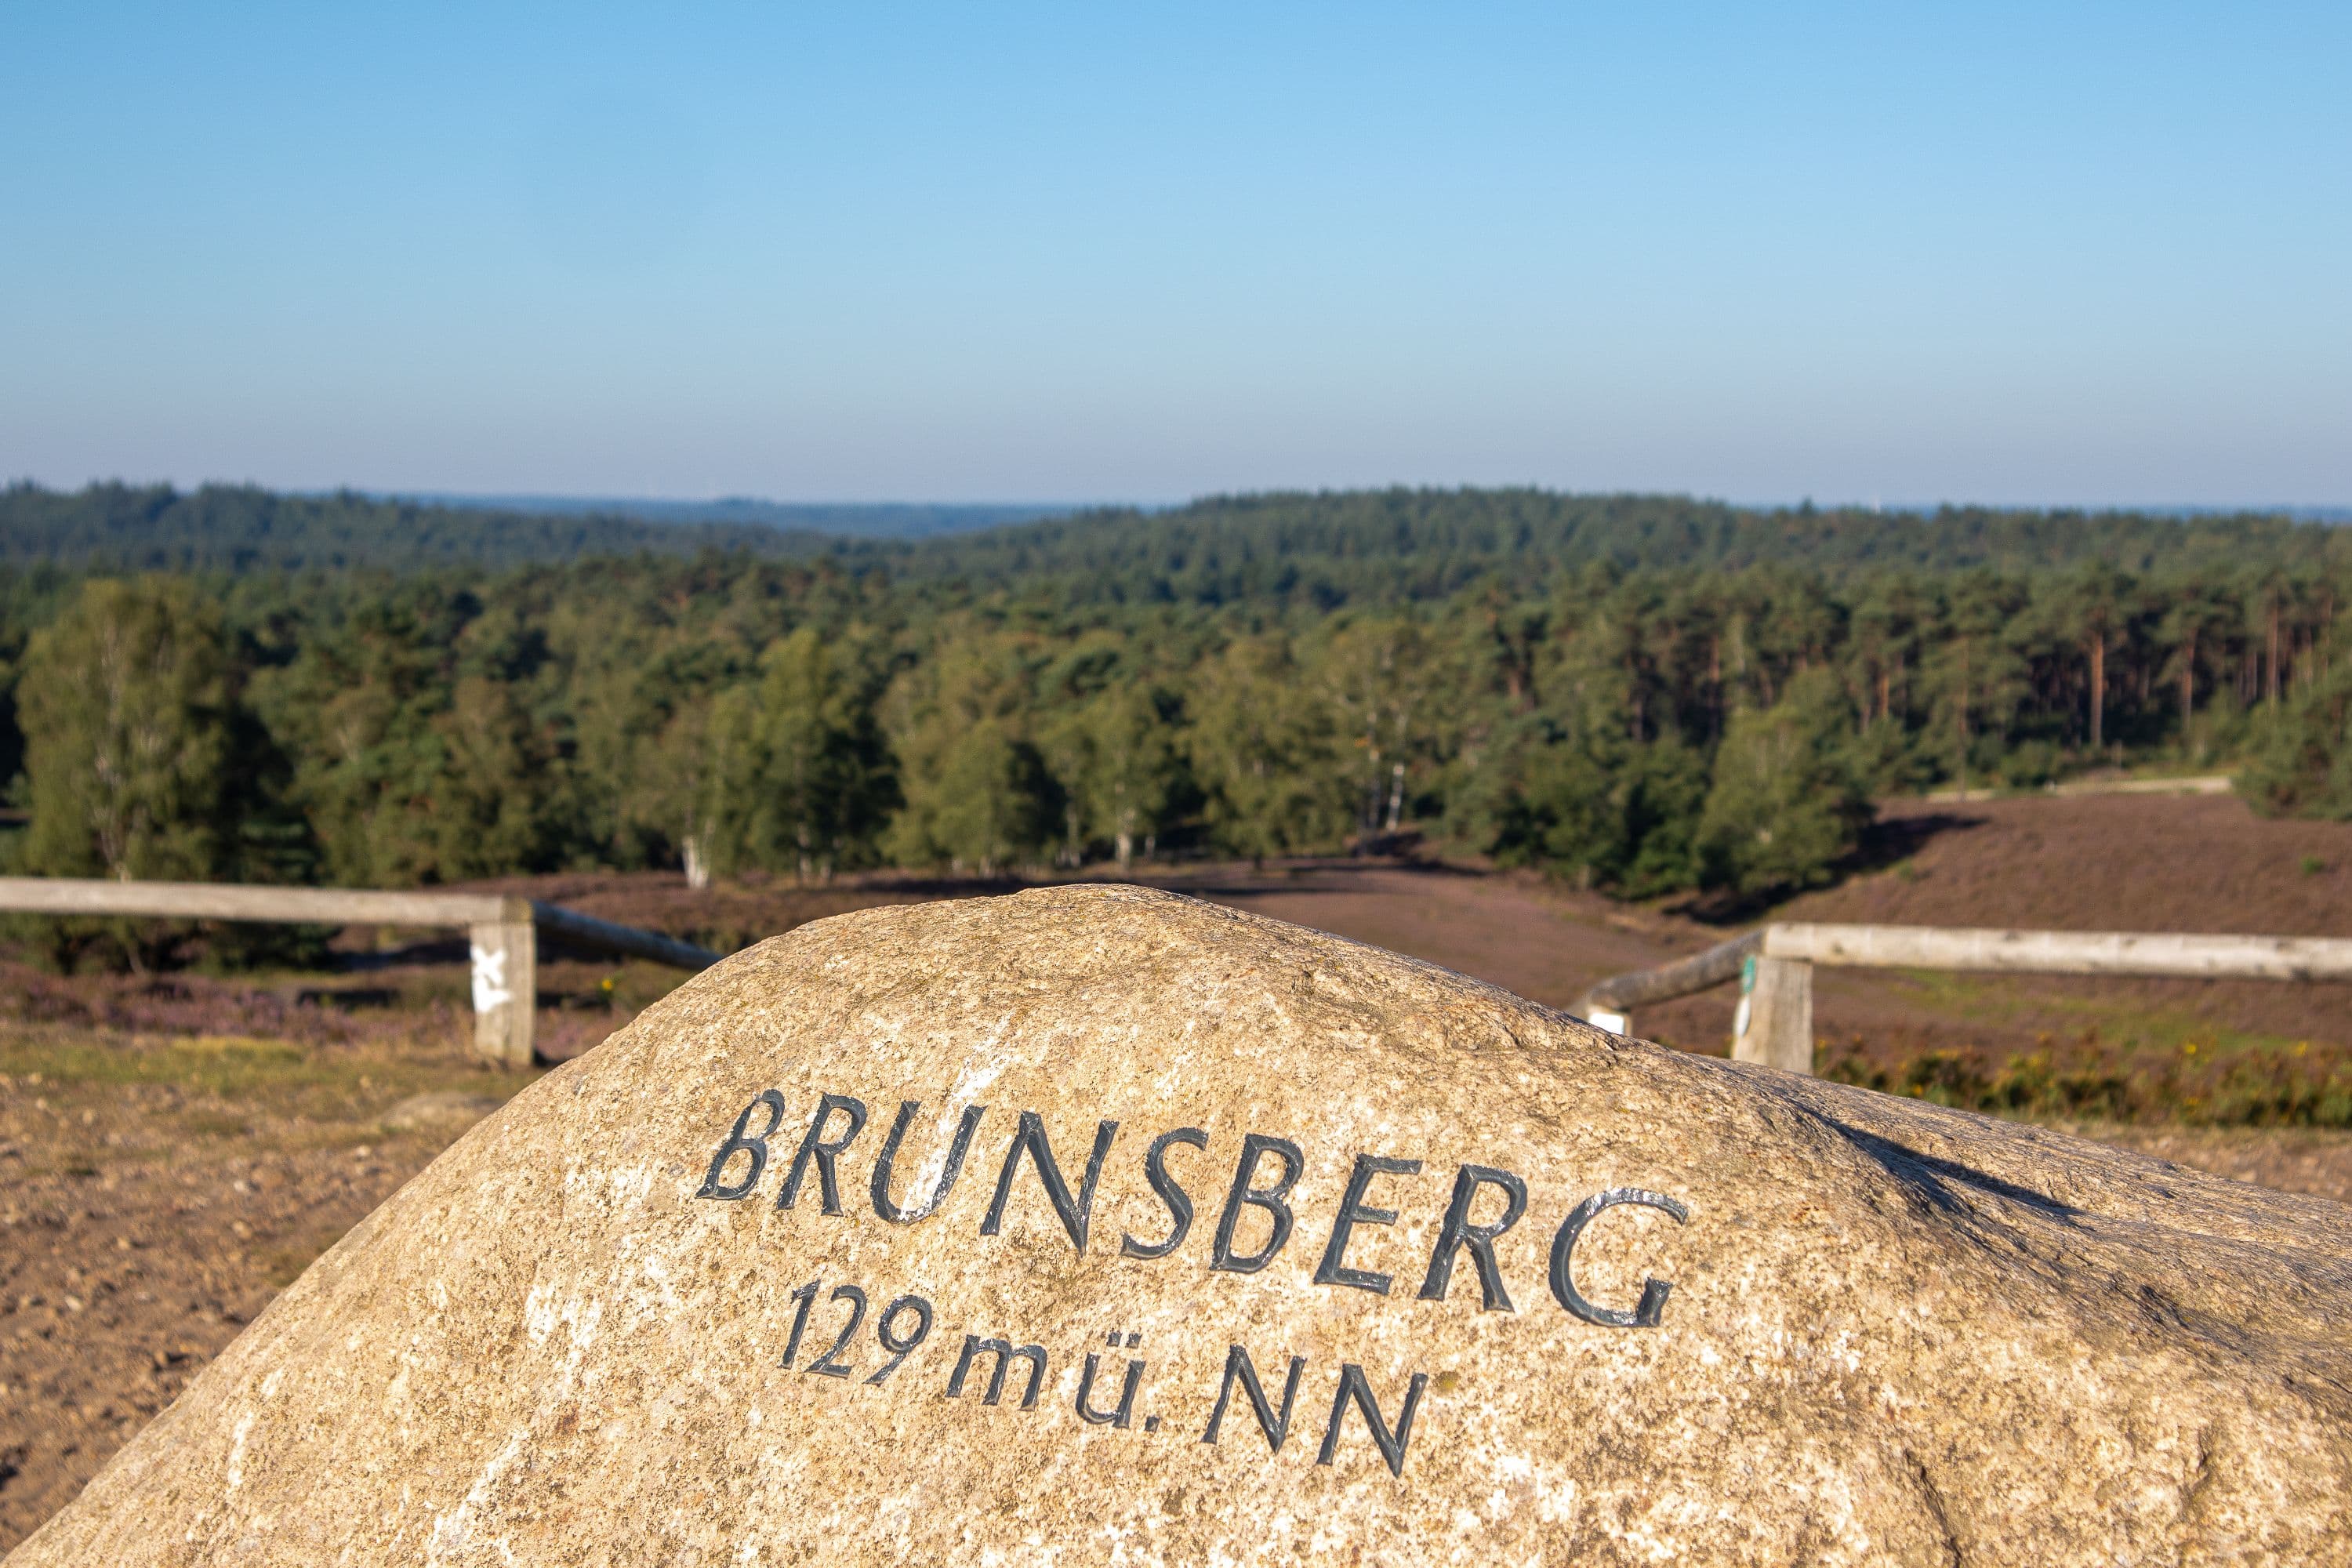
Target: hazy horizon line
(529,499)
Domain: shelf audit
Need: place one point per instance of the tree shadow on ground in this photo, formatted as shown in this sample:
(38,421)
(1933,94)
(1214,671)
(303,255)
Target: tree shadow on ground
(1886,842)
(1306,874)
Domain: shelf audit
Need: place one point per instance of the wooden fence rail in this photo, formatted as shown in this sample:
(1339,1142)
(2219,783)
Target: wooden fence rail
(1774,967)
(502,933)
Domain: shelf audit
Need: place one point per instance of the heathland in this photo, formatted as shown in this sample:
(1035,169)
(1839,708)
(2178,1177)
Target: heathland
(575,1333)
(175,1146)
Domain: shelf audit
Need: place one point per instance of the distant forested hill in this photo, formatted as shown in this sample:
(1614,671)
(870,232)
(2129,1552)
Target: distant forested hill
(1401,545)
(1322,548)
(844,519)
(241,528)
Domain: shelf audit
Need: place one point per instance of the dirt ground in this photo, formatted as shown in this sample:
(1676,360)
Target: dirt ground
(156,1192)
(174,1149)
(2202,863)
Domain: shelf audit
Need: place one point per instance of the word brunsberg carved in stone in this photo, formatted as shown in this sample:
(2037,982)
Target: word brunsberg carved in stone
(1263,1177)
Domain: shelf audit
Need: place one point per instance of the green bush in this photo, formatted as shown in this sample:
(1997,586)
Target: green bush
(2302,760)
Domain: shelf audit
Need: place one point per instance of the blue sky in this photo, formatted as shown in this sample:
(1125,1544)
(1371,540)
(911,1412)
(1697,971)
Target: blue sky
(2049,253)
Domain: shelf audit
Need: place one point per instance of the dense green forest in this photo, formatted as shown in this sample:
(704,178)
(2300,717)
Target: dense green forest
(1322,548)
(1642,694)
(846,519)
(241,527)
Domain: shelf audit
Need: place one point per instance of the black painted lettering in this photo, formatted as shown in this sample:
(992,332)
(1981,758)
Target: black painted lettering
(1652,1305)
(830,1364)
(1178,1201)
(1457,1233)
(824,1150)
(1334,1270)
(1238,1369)
(1074,1212)
(1124,1415)
(901,1346)
(744,1140)
(1271,1199)
(962,1145)
(1353,1386)
(806,1296)
(1005,1354)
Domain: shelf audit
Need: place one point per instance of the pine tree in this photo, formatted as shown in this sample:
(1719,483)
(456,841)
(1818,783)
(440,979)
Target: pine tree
(1784,802)
(124,705)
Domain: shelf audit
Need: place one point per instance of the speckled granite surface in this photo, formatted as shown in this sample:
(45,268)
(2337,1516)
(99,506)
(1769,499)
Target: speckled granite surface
(1879,1333)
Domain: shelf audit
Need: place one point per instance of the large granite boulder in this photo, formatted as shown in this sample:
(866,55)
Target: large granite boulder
(1102,1225)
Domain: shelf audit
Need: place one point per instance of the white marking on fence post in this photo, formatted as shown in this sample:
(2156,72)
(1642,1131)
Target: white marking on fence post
(489,978)
(504,949)
(506,986)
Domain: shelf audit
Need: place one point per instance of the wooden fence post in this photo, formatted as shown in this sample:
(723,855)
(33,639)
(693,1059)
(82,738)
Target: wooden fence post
(502,933)
(1775,1021)
(506,986)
